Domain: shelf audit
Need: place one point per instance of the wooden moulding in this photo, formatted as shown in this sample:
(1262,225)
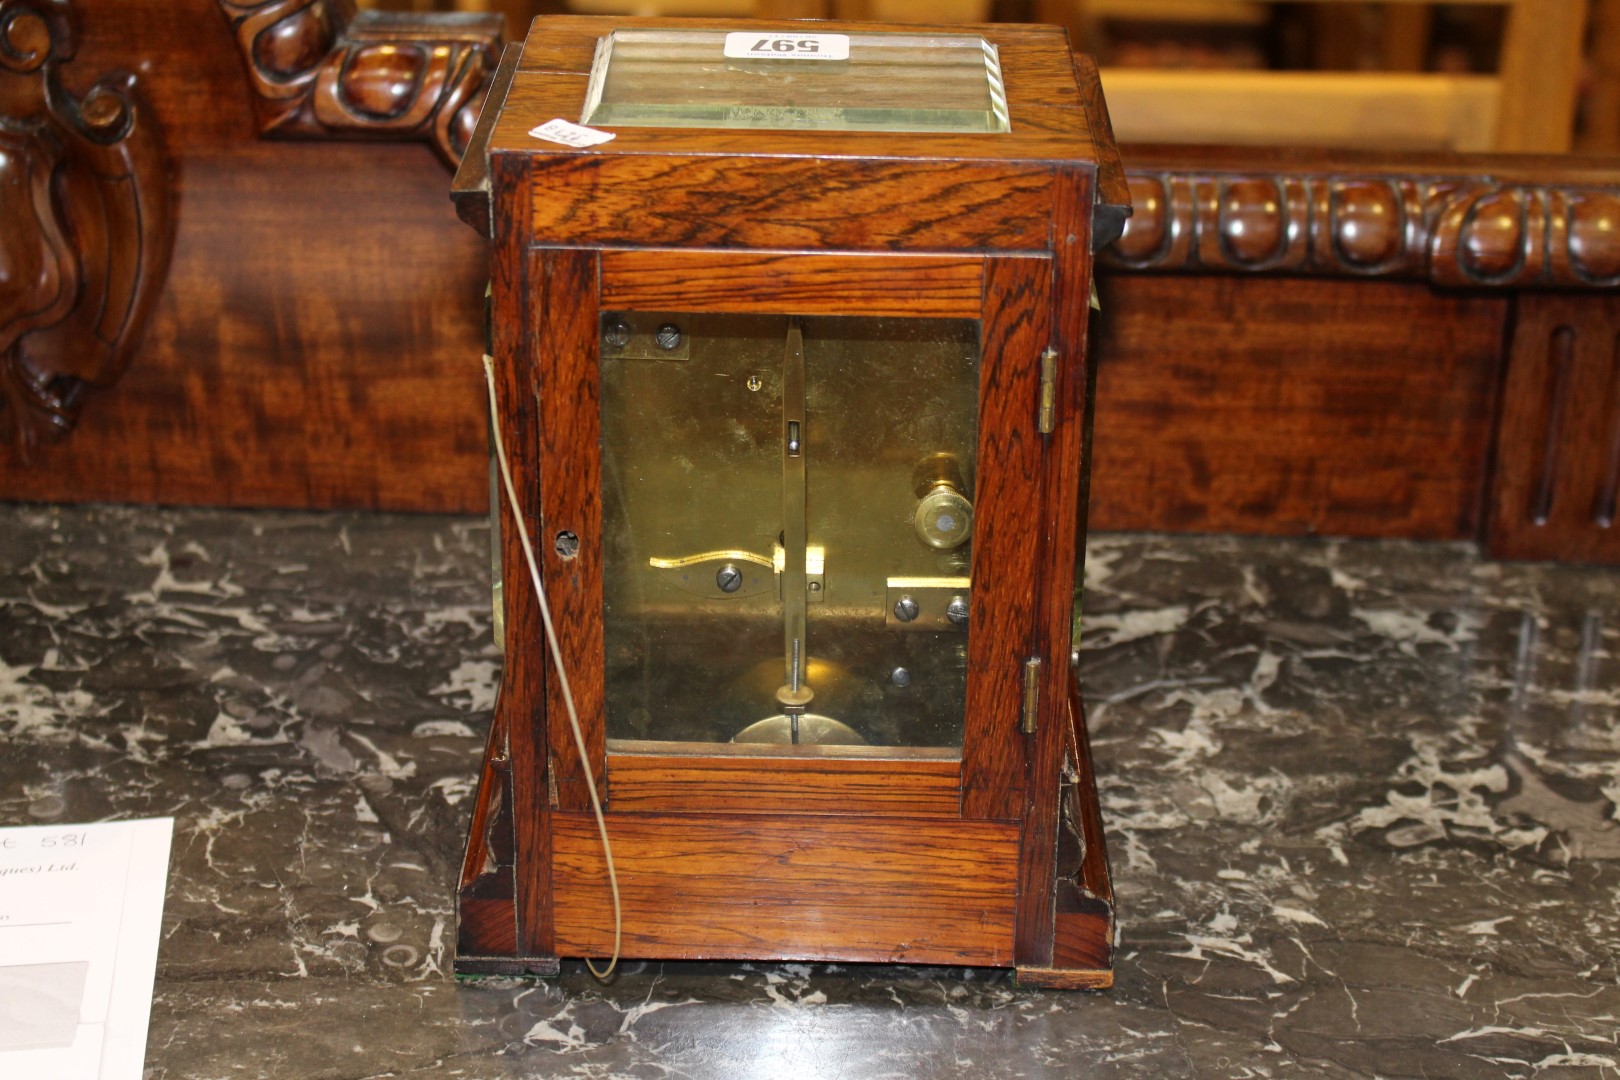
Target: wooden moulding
(321,70)
(1468,222)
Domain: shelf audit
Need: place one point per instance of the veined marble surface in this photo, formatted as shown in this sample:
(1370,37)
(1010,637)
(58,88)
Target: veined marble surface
(1361,801)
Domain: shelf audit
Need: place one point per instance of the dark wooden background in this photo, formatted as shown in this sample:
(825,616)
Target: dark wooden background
(317,340)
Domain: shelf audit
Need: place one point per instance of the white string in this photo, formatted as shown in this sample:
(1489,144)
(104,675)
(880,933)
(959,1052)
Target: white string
(562,675)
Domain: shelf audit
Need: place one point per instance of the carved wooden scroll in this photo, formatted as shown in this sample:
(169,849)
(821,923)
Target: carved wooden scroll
(1456,231)
(319,70)
(85,225)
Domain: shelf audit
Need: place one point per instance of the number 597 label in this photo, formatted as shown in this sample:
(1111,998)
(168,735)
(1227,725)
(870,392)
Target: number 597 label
(754,45)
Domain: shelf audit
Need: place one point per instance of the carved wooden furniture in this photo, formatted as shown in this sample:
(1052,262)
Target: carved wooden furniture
(720,334)
(1349,402)
(312,351)
(319,69)
(300,323)
(86,225)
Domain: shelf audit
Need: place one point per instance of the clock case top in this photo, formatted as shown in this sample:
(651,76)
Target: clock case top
(964,861)
(802,189)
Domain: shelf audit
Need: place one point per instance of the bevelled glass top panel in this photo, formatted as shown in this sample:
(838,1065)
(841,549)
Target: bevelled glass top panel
(796,81)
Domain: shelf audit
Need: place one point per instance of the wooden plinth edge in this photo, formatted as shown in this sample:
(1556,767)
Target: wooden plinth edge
(486,905)
(475,966)
(1083,925)
(1054,979)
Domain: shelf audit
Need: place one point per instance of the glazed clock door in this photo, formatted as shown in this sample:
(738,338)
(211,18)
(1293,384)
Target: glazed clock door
(806,545)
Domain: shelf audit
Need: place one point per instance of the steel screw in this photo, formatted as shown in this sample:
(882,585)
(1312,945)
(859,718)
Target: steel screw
(668,336)
(729,578)
(957,610)
(617,334)
(906,609)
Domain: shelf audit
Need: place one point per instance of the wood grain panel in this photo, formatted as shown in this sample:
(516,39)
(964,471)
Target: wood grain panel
(317,342)
(568,381)
(1006,534)
(484,929)
(806,888)
(1062,546)
(699,201)
(642,783)
(768,283)
(521,702)
(1557,480)
(301,355)
(1333,407)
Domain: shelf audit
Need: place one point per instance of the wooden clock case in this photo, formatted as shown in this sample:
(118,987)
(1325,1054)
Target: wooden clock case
(991,858)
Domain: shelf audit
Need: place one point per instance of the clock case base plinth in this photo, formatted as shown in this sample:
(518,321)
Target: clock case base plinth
(1081,947)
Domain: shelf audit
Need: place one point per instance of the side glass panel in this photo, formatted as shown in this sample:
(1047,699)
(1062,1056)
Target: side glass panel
(787,508)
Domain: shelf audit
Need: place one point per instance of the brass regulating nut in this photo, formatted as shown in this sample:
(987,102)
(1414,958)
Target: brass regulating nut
(944,518)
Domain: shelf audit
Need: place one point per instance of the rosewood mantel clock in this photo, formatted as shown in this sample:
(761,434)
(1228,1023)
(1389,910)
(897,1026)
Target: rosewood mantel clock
(791,376)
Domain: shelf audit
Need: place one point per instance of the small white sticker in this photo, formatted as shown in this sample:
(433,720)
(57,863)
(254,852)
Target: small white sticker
(575,135)
(758,45)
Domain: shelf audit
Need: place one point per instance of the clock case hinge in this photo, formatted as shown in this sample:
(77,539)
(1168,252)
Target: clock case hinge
(1046,415)
(1032,696)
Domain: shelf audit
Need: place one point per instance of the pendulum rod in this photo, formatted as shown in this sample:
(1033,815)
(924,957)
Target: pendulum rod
(795,694)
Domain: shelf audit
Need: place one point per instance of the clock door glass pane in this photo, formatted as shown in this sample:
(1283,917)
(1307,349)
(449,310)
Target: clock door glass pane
(787,512)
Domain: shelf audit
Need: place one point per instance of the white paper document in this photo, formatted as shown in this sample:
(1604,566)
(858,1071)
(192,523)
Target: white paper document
(80,911)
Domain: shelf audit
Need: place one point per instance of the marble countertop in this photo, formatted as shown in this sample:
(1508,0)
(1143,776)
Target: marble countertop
(1361,802)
